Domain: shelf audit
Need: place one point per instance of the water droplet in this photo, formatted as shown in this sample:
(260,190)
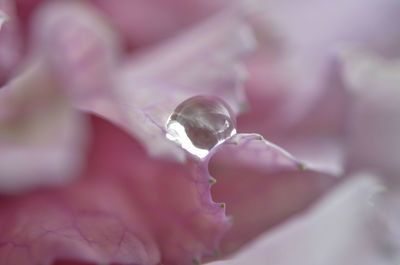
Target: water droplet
(200,123)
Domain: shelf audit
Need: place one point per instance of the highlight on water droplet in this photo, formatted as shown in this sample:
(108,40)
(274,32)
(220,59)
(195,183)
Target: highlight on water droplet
(201,123)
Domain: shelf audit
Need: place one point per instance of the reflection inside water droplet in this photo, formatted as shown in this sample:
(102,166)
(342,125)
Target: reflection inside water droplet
(200,123)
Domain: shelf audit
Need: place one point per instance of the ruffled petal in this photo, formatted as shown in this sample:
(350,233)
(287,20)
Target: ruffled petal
(349,226)
(205,60)
(262,186)
(41,137)
(208,62)
(126,208)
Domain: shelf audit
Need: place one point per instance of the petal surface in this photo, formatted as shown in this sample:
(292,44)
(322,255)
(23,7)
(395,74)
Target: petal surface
(204,60)
(346,227)
(208,62)
(298,43)
(126,208)
(262,186)
(295,89)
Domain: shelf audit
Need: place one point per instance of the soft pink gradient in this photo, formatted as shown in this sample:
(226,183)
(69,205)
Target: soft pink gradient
(127,207)
(87,175)
(352,225)
(143,23)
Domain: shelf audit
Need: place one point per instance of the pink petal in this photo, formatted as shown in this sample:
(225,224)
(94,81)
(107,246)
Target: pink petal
(80,46)
(298,54)
(41,138)
(204,60)
(128,207)
(294,89)
(344,228)
(88,221)
(262,186)
(127,97)
(374,120)
(145,22)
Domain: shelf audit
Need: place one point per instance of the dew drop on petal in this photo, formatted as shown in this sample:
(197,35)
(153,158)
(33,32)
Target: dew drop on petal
(200,123)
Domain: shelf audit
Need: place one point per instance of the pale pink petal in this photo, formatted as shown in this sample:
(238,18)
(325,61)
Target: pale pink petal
(374,120)
(11,48)
(205,60)
(145,22)
(298,56)
(349,226)
(80,46)
(41,137)
(318,140)
(262,186)
(294,89)
(127,208)
(207,63)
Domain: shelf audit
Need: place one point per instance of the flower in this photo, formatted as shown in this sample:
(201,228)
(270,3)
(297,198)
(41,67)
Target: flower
(87,174)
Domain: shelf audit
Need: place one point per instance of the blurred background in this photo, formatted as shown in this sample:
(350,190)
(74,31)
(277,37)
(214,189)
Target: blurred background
(87,175)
